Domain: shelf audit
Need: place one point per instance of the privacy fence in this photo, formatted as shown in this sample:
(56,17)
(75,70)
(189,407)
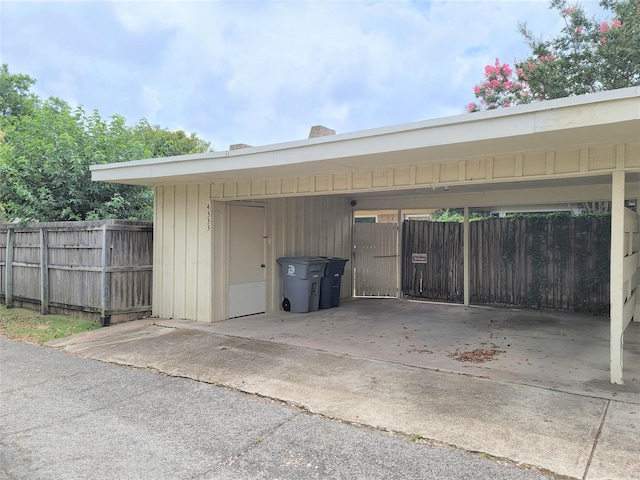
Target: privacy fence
(554,261)
(99,269)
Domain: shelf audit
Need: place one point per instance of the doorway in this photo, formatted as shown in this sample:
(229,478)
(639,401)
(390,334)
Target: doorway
(247,283)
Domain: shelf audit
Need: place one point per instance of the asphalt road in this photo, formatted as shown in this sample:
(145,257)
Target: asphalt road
(66,417)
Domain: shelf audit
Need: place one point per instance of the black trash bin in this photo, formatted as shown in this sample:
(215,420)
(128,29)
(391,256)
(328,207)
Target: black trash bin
(331,282)
(301,277)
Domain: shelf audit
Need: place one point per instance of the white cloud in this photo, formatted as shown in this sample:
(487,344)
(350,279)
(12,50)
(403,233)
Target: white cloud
(262,72)
(151,101)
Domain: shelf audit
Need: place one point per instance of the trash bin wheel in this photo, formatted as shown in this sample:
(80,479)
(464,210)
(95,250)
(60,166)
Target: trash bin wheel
(286,305)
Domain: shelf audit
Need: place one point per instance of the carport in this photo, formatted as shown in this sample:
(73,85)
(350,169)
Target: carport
(221,219)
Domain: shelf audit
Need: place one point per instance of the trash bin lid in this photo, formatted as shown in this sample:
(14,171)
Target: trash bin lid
(302,267)
(335,266)
(303,260)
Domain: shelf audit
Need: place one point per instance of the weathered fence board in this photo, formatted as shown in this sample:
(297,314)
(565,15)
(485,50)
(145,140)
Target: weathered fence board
(441,276)
(100,269)
(555,262)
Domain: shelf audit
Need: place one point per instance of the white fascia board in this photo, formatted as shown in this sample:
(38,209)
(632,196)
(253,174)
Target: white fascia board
(349,151)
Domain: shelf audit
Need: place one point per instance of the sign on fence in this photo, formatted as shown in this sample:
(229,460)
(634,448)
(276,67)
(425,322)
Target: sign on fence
(418,258)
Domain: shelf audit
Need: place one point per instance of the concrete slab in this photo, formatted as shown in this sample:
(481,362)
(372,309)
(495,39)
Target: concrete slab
(617,453)
(542,397)
(557,350)
(540,427)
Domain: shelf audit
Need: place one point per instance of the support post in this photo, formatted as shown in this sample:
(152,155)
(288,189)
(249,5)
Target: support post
(399,256)
(466,258)
(105,316)
(44,271)
(617,276)
(8,287)
(636,244)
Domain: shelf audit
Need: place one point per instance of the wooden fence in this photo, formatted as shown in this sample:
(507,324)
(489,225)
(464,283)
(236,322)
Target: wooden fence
(99,269)
(540,262)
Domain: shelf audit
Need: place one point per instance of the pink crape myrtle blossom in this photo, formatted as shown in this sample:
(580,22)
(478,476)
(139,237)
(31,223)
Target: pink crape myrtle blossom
(500,88)
(588,55)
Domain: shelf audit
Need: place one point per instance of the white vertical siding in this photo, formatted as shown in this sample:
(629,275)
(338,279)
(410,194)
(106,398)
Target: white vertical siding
(219,268)
(191,242)
(182,252)
(307,226)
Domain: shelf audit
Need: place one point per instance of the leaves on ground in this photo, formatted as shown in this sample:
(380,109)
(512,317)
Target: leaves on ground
(479,355)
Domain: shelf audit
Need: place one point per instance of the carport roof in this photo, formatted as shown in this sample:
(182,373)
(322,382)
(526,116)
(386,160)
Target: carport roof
(605,117)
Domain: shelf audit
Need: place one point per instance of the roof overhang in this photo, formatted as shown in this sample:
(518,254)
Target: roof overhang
(600,118)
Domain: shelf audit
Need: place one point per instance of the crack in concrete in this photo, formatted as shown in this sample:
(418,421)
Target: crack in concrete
(595,440)
(252,446)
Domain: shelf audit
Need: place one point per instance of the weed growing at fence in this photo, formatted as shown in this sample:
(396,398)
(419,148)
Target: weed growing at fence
(31,326)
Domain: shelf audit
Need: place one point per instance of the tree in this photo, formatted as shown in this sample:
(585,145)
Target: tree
(586,56)
(16,99)
(46,149)
(44,166)
(167,143)
(501,88)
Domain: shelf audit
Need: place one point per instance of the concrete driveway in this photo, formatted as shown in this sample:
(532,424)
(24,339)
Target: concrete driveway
(556,350)
(540,395)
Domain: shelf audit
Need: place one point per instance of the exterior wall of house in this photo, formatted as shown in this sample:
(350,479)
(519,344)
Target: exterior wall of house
(182,259)
(190,278)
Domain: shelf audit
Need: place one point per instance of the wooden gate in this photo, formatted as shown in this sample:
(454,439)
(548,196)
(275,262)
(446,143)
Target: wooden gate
(376,259)
(432,260)
(535,261)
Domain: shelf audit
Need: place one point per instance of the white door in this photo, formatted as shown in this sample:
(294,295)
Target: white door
(247,285)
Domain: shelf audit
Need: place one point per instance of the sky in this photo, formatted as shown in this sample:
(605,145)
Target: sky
(264,72)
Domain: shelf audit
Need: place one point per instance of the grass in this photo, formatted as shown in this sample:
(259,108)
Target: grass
(31,326)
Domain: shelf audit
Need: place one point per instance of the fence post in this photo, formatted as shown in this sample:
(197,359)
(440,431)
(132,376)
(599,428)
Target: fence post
(44,271)
(8,288)
(105,281)
(466,267)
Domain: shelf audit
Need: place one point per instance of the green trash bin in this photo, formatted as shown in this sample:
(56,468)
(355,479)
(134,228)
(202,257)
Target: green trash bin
(301,282)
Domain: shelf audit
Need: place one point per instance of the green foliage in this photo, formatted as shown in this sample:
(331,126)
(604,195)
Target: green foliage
(588,55)
(448,215)
(15,97)
(44,163)
(165,143)
(46,148)
(454,215)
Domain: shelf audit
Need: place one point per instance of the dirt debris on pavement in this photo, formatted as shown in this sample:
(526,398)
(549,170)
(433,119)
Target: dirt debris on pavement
(479,355)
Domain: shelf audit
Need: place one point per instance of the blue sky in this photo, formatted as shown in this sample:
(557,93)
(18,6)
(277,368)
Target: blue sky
(261,72)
